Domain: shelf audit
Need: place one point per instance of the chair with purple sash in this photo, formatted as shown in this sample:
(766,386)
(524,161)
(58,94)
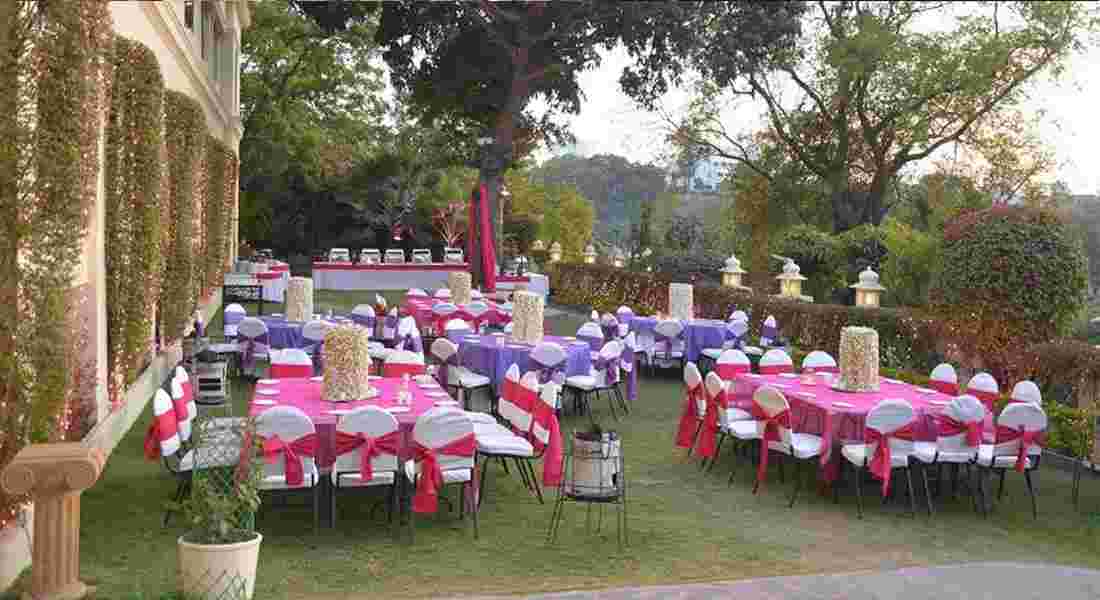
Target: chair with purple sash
(231,318)
(408,336)
(769,333)
(736,332)
(549,360)
(254,342)
(610,327)
(363,315)
(457,329)
(452,375)
(604,377)
(314,333)
(591,334)
(389,328)
(624,314)
(629,365)
(668,348)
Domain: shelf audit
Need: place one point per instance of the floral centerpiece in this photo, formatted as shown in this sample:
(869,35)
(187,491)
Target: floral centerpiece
(461,284)
(299,299)
(347,364)
(859,360)
(527,317)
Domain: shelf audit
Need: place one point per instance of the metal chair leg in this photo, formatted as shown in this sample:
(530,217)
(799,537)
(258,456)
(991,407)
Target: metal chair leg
(859,490)
(927,490)
(717,450)
(1001,488)
(1031,492)
(797,486)
(912,492)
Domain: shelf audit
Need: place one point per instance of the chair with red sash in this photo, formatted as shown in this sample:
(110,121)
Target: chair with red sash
(400,362)
(983,387)
(736,332)
(772,416)
(450,374)
(891,421)
(731,363)
(959,435)
(944,380)
(289,446)
(1017,445)
(183,401)
(368,443)
(1027,391)
(444,453)
(477,313)
(314,332)
(668,345)
(819,361)
(514,407)
(441,313)
(291,363)
(516,444)
(776,361)
(717,418)
(604,377)
(693,409)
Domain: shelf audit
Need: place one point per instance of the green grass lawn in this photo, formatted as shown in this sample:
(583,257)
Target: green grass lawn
(684,526)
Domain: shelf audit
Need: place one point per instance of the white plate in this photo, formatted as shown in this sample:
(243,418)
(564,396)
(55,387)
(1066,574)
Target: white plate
(517,346)
(940,402)
(888,380)
(397,409)
(844,405)
(569,339)
(263,402)
(374,377)
(446,403)
(437,394)
(317,378)
(429,386)
(268,381)
(268,392)
(789,375)
(339,411)
(926,391)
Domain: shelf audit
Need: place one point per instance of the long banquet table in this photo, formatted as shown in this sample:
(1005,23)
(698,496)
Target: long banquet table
(348,276)
(420,308)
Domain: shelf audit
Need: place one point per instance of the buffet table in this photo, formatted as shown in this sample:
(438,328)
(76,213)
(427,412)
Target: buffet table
(426,276)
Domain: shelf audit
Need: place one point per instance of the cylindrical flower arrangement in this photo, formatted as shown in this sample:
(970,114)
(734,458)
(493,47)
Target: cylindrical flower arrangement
(347,364)
(859,359)
(527,317)
(299,299)
(461,283)
(681,300)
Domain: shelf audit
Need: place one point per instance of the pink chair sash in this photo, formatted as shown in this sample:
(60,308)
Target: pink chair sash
(274,446)
(181,407)
(1027,440)
(553,454)
(775,369)
(882,462)
(973,429)
(689,419)
(188,391)
(821,370)
(163,427)
(729,371)
(987,398)
(399,369)
(372,447)
(945,387)
(430,481)
(771,434)
(709,432)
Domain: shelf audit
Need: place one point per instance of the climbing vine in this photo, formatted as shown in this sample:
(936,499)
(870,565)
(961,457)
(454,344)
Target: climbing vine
(220,170)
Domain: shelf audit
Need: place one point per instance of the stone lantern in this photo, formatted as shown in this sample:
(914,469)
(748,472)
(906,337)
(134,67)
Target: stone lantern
(790,282)
(619,259)
(868,290)
(590,255)
(538,245)
(731,274)
(555,252)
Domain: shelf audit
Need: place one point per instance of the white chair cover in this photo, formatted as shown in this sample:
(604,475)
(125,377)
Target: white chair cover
(289,423)
(818,359)
(1027,391)
(509,405)
(373,422)
(442,294)
(416,292)
(776,361)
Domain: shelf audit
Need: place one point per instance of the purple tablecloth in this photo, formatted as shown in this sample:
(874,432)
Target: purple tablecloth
(287,334)
(492,355)
(640,325)
(700,334)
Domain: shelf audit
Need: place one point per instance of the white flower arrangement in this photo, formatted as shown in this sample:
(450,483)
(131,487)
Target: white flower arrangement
(299,299)
(681,301)
(527,317)
(461,284)
(859,359)
(347,365)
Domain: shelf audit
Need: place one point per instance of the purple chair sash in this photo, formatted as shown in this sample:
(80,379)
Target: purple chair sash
(319,357)
(610,328)
(443,373)
(364,321)
(668,341)
(411,343)
(593,342)
(627,364)
(248,350)
(610,366)
(199,328)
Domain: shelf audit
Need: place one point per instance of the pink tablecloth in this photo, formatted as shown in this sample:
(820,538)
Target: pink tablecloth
(305,394)
(421,309)
(814,410)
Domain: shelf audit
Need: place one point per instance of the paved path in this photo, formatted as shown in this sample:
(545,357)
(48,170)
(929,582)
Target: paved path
(987,581)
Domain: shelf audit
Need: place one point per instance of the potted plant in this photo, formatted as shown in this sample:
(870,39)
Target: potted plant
(595,461)
(219,554)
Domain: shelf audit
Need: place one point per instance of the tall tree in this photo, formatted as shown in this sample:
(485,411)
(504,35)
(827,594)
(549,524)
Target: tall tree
(878,89)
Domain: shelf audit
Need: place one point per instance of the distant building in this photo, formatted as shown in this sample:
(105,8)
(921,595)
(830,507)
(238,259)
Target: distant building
(703,176)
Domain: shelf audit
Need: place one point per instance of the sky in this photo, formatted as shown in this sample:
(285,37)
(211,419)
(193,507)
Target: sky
(609,122)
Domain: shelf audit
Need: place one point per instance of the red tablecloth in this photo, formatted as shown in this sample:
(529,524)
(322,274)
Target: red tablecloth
(814,410)
(305,394)
(420,308)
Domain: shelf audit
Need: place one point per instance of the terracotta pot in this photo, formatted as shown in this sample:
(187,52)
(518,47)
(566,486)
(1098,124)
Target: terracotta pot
(214,571)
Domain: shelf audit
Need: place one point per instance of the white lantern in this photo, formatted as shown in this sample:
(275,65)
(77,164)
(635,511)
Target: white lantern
(538,245)
(619,259)
(590,255)
(555,252)
(868,290)
(731,274)
(790,281)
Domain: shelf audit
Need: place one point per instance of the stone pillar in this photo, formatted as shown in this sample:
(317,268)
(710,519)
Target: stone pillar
(681,301)
(55,475)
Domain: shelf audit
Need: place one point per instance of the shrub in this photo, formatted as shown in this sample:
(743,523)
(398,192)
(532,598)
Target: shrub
(861,247)
(911,261)
(817,254)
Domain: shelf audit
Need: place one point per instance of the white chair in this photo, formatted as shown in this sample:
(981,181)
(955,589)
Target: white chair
(231,318)
(776,361)
(463,380)
(983,387)
(777,436)
(736,332)
(1027,391)
(509,404)
(408,336)
(457,327)
(395,256)
(436,429)
(389,327)
(958,438)
(517,446)
(253,342)
(668,350)
(352,432)
(416,293)
(1016,446)
(887,420)
(731,363)
(364,315)
(739,315)
(370,256)
(693,410)
(550,359)
(716,394)
(283,426)
(944,380)
(314,332)
(769,332)
(592,334)
(604,377)
(290,363)
(401,362)
(421,256)
(819,361)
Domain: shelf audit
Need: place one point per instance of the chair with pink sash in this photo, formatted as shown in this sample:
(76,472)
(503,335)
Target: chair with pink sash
(368,443)
(736,333)
(314,333)
(711,435)
(450,374)
(183,401)
(289,447)
(772,416)
(401,362)
(604,377)
(416,293)
(693,409)
(389,328)
(668,345)
(776,361)
(408,336)
(944,380)
(592,334)
(516,444)
(162,441)
(1017,445)
(727,415)
(1027,391)
(231,318)
(629,362)
(441,313)
(514,407)
(444,453)
(442,294)
(959,435)
(290,363)
(731,363)
(983,387)
(253,341)
(819,361)
(477,313)
(890,421)
(364,316)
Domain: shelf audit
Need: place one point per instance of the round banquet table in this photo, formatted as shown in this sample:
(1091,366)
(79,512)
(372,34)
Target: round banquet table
(274,285)
(698,335)
(839,417)
(288,334)
(420,307)
(492,355)
(305,394)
